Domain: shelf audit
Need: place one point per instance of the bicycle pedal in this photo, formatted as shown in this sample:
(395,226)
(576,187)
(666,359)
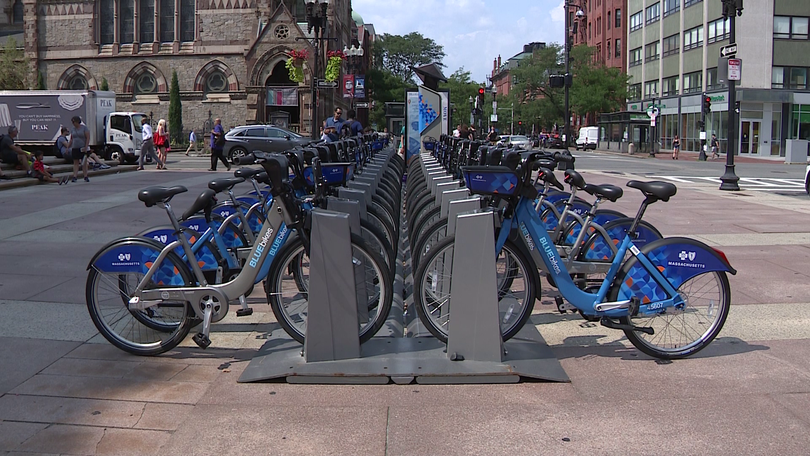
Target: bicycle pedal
(201,340)
(244,312)
(560,305)
(610,323)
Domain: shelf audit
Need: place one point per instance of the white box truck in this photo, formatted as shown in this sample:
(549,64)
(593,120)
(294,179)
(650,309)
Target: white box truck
(39,114)
(588,138)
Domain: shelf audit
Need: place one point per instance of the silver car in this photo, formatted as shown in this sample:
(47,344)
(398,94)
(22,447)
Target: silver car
(266,138)
(516,140)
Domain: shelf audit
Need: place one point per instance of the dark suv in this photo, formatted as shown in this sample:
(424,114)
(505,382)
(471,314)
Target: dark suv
(240,141)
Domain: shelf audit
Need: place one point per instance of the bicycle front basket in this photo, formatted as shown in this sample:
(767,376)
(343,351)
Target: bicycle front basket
(491,180)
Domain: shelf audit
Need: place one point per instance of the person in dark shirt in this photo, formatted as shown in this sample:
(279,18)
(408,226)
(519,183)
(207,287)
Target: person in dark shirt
(12,153)
(354,124)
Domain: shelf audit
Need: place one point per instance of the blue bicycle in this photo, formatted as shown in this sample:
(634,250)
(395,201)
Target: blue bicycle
(671,297)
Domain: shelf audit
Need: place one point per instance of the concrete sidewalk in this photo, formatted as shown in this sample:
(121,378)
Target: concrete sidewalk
(65,390)
(693,156)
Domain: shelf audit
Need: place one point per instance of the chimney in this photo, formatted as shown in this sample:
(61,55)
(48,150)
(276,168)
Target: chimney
(499,61)
(494,65)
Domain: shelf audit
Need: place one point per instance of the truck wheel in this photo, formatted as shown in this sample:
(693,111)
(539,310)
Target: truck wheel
(117,154)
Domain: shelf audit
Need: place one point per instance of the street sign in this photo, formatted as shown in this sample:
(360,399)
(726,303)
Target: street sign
(323,84)
(362,104)
(729,50)
(493,117)
(734,69)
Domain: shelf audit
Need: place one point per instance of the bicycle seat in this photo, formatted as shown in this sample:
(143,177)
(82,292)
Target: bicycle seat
(262,178)
(219,185)
(247,173)
(547,175)
(574,178)
(153,195)
(611,192)
(660,190)
(205,199)
(511,160)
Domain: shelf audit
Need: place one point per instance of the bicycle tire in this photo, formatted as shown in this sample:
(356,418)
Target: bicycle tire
(391,234)
(291,310)
(695,291)
(147,332)
(430,296)
(431,235)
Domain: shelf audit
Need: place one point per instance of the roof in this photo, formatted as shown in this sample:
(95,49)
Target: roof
(357,18)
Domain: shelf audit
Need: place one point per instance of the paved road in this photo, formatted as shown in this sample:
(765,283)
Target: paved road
(64,390)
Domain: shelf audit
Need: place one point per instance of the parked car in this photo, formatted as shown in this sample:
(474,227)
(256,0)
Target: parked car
(555,141)
(266,138)
(516,140)
(588,137)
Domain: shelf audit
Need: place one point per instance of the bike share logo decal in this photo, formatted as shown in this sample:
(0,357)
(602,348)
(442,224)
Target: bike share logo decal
(161,238)
(526,236)
(124,259)
(687,259)
(550,251)
(254,261)
(277,243)
(195,227)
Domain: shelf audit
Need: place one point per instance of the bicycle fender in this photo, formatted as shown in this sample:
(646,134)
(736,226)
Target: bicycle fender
(596,248)
(679,259)
(136,254)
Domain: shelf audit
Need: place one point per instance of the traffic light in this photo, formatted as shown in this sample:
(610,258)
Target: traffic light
(707,104)
(556,81)
(480,91)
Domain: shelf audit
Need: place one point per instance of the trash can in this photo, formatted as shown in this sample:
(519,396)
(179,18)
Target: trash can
(631,148)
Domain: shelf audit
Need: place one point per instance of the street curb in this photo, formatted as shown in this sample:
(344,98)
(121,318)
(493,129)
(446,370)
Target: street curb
(29,181)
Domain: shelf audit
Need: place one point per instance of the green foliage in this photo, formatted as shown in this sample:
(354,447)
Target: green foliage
(175,111)
(382,87)
(595,88)
(105,86)
(40,81)
(296,71)
(461,89)
(14,71)
(398,53)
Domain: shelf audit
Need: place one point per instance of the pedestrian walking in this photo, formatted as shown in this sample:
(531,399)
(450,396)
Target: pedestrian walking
(715,145)
(79,146)
(192,142)
(148,146)
(217,145)
(676,147)
(162,142)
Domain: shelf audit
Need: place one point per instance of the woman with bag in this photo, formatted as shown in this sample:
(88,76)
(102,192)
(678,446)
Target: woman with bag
(162,141)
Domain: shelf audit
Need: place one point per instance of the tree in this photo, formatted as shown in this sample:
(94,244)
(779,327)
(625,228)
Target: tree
(383,87)
(398,54)
(175,111)
(40,81)
(461,89)
(15,73)
(596,88)
(104,84)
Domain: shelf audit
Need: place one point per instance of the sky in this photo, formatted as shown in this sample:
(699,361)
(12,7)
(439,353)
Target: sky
(472,32)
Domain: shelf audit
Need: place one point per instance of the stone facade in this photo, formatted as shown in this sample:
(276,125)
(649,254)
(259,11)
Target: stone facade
(236,41)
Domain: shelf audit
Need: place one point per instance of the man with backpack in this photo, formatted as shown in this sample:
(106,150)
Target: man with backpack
(354,124)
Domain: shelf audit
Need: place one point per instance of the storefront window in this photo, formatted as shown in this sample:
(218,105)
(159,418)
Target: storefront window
(776,132)
(800,122)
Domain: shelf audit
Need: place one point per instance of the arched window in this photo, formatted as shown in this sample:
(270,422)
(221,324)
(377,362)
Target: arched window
(17,12)
(77,82)
(145,83)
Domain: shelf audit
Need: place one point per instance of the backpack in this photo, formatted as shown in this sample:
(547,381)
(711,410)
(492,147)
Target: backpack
(56,151)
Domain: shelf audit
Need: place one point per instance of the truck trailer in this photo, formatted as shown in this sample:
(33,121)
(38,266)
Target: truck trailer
(39,114)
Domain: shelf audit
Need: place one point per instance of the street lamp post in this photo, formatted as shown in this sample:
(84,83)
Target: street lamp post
(354,61)
(567,80)
(316,20)
(731,9)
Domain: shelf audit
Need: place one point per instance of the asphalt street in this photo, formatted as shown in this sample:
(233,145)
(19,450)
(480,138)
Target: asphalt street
(65,390)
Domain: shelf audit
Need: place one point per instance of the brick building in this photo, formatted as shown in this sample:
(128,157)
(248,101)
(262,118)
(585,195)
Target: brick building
(229,54)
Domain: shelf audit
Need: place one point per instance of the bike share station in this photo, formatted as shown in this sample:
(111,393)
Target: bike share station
(402,351)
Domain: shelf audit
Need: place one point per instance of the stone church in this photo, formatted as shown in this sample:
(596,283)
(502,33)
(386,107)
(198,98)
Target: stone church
(229,55)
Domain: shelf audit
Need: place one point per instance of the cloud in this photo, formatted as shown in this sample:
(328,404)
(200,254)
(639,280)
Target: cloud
(472,32)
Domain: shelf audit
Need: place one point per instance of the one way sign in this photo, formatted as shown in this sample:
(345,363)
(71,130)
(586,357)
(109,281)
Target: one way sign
(728,51)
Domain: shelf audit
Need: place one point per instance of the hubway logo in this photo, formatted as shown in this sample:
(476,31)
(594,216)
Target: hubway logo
(550,253)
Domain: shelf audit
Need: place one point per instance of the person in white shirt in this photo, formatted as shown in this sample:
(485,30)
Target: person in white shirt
(148,146)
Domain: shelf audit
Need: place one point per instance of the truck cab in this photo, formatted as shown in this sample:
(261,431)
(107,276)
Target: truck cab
(123,135)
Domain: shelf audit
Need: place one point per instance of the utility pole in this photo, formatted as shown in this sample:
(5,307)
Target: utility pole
(731,9)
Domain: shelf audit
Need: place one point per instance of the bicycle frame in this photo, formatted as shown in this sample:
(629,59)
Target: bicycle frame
(260,258)
(536,238)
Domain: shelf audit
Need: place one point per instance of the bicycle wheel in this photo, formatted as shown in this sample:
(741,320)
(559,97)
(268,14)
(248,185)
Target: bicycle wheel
(517,281)
(290,304)
(117,270)
(683,332)
(426,239)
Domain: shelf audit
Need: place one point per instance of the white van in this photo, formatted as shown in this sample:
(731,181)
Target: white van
(588,137)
